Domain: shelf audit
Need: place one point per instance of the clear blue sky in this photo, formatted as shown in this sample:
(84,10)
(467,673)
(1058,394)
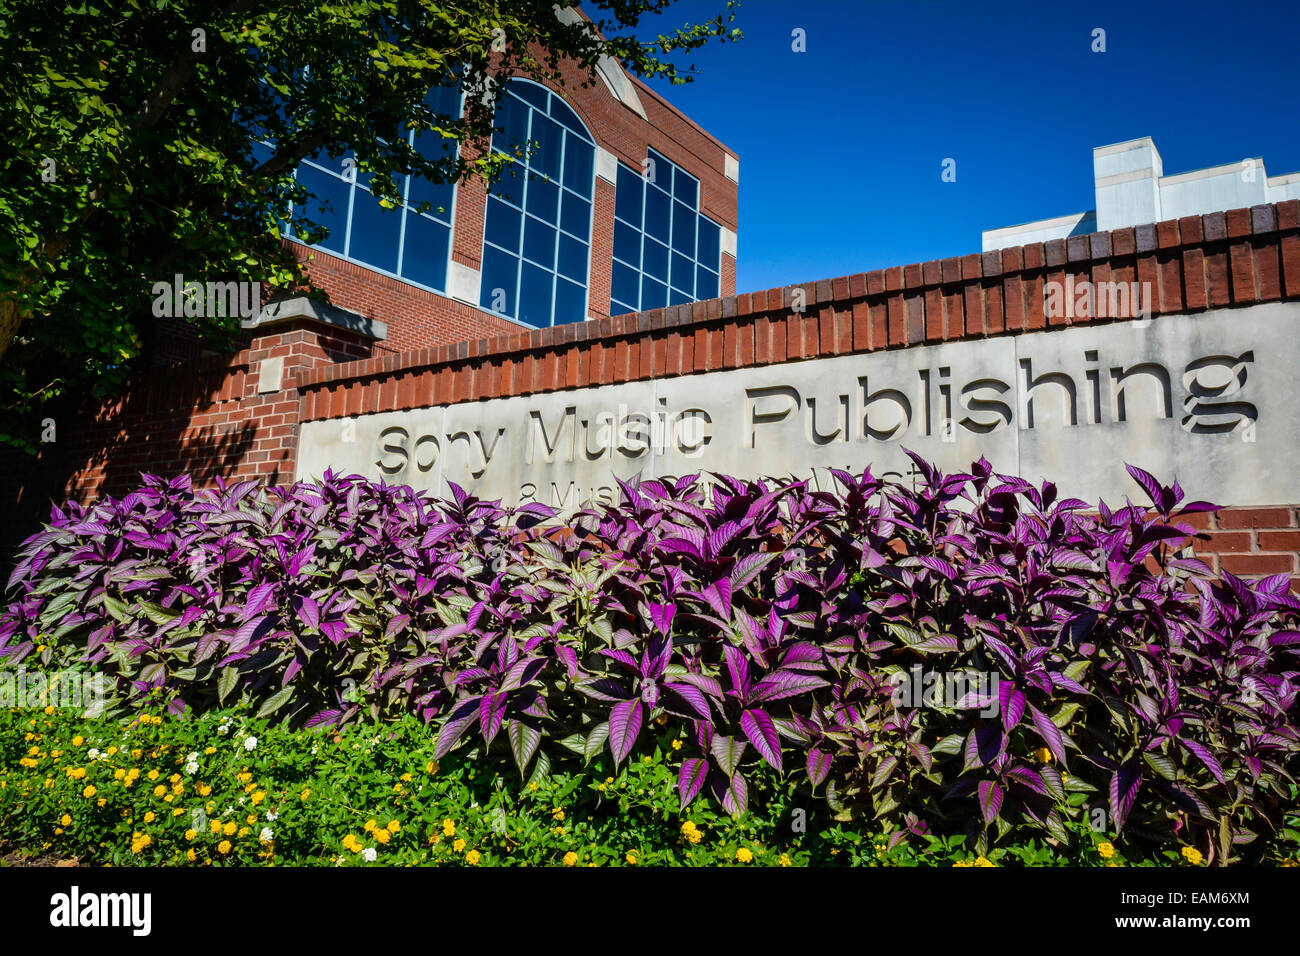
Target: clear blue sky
(840,147)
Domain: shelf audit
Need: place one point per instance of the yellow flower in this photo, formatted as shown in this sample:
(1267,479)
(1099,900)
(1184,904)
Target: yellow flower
(111,751)
(677,745)
(258,797)
(743,855)
(223,846)
(169,798)
(1105,851)
(251,819)
(557,814)
(431,767)
(407,778)
(89,791)
(119,773)
(630,856)
(449,827)
(370,825)
(532,786)
(191,834)
(159,790)
(58,831)
(191,855)
(1192,855)
(230,828)
(382,835)
(149,817)
(49,711)
(304,795)
(1290,863)
(178,811)
(458,846)
(65,820)
(981,861)
(78,740)
(209,750)
(1043,755)
(393,826)
(785,859)
(204,790)
(472,857)
(570,858)
(215,826)
(152,774)
(243,831)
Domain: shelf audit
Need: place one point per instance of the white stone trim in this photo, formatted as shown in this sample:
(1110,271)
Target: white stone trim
(606,165)
(728,241)
(270,373)
(463,282)
(731,167)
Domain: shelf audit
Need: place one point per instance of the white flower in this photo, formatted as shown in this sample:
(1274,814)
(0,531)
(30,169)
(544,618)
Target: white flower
(250,743)
(272,815)
(313,750)
(93,753)
(369,854)
(266,836)
(223,729)
(191,768)
(193,755)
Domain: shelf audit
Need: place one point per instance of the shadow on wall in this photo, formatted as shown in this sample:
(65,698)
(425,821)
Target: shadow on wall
(100,455)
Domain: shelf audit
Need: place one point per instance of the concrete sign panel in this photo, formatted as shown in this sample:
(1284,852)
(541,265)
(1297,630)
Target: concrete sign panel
(1206,399)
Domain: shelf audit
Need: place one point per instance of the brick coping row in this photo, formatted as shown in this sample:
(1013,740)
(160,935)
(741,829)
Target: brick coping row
(1156,239)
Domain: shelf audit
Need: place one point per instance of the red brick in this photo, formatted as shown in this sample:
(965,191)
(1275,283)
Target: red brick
(1279,540)
(1242,265)
(1229,541)
(1255,518)
(1255,564)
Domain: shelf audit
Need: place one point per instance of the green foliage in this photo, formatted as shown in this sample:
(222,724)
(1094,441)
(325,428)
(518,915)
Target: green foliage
(315,790)
(128,129)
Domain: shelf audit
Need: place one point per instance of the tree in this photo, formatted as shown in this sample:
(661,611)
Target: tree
(129,129)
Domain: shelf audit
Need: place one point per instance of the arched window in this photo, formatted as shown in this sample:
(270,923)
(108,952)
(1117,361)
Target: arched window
(406,243)
(537,234)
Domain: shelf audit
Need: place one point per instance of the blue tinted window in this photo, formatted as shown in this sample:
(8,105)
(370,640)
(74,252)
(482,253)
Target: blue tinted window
(543,199)
(543,268)
(406,242)
(655,262)
(684,229)
(627,243)
(683,276)
(658,210)
(504,225)
(579,163)
(628,196)
(535,287)
(654,295)
(572,260)
(625,283)
(539,242)
(328,206)
(662,238)
(499,284)
(706,284)
(425,250)
(707,253)
(570,301)
(376,232)
(575,214)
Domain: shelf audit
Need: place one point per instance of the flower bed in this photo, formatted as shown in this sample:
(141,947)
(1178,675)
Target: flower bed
(974,659)
(160,790)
